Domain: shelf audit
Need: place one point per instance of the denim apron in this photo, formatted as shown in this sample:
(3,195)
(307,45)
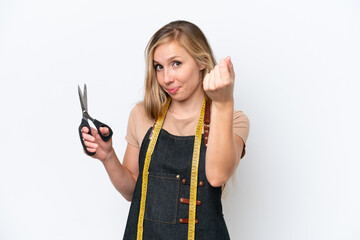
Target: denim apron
(167,206)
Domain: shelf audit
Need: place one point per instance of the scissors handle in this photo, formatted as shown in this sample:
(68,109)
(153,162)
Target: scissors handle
(84,123)
(99,124)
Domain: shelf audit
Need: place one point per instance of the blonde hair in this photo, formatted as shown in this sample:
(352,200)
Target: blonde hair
(193,40)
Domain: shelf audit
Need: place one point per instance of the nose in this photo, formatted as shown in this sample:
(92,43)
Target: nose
(168,76)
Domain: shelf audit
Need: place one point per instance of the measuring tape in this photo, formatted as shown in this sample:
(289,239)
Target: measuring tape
(194,174)
(149,152)
(194,171)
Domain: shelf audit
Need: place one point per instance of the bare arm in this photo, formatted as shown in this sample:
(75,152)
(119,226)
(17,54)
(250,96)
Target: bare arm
(224,147)
(123,176)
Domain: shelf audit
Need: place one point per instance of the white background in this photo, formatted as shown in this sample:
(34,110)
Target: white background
(297,79)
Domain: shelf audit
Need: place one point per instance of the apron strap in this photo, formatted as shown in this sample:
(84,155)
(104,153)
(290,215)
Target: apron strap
(207,122)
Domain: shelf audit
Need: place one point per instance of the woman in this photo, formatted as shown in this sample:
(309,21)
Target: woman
(172,176)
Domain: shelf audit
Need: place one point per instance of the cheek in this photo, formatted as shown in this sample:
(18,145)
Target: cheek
(158,78)
(190,75)
(195,77)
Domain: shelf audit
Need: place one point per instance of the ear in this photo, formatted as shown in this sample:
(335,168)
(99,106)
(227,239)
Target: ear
(202,67)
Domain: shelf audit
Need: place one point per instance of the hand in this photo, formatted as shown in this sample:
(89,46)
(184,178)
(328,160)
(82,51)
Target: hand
(94,143)
(219,82)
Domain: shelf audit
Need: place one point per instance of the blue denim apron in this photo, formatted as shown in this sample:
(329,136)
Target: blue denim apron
(167,208)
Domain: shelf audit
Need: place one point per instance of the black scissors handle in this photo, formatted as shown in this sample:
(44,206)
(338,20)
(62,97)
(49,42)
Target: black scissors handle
(98,124)
(84,123)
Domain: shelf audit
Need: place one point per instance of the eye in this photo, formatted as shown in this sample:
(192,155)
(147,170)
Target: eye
(158,67)
(176,64)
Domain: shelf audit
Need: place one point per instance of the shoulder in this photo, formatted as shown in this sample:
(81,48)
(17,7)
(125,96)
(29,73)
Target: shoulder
(239,117)
(241,124)
(138,124)
(138,116)
(138,109)
(138,113)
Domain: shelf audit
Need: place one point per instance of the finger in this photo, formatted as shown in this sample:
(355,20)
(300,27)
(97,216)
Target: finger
(104,131)
(218,81)
(206,82)
(87,137)
(84,129)
(91,149)
(212,79)
(91,144)
(230,66)
(94,131)
(228,60)
(224,71)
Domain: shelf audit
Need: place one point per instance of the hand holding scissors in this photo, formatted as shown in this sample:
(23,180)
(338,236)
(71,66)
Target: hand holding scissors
(85,123)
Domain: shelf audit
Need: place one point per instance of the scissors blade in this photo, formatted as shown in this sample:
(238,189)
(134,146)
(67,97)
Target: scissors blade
(83,106)
(85,97)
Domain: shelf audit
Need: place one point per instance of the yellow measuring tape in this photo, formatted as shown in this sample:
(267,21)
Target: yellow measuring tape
(194,174)
(194,171)
(149,153)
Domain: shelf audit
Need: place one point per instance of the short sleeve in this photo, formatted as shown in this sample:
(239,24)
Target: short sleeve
(131,129)
(138,125)
(241,127)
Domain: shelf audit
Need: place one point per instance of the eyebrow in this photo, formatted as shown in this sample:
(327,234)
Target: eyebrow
(169,59)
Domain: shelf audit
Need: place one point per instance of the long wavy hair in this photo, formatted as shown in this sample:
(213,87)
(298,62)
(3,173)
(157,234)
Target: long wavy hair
(189,36)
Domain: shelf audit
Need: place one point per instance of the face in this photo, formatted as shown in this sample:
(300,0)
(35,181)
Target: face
(177,72)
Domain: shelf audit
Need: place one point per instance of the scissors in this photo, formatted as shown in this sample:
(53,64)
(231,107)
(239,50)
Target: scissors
(84,121)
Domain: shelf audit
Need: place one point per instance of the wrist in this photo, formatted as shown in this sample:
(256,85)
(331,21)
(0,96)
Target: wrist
(223,105)
(109,157)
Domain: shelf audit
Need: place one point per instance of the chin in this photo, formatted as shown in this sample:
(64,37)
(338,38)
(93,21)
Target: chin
(178,98)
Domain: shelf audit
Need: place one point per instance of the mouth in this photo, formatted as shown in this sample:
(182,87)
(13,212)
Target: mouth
(173,90)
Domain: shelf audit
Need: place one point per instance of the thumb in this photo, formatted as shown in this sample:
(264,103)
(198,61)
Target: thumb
(230,66)
(104,131)
(228,61)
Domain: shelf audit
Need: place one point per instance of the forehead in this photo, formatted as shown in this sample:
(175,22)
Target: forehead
(169,50)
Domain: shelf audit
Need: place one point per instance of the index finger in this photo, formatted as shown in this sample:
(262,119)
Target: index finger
(84,129)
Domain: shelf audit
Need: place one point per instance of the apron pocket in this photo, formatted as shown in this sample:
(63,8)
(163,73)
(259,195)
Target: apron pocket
(162,197)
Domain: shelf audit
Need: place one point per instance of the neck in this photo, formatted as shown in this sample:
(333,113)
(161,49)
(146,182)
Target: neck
(189,107)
